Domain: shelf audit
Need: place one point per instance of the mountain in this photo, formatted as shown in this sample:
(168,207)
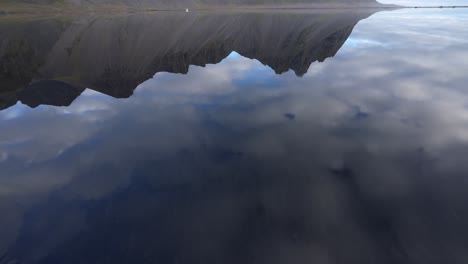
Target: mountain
(170,4)
(51,61)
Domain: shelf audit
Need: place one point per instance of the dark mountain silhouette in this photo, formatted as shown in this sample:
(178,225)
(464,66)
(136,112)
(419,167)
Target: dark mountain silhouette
(52,61)
(50,93)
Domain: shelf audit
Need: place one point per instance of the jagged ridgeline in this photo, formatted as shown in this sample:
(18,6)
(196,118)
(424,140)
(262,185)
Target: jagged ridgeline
(51,61)
(186,3)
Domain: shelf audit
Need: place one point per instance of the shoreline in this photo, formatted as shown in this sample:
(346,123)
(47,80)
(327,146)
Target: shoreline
(123,10)
(435,7)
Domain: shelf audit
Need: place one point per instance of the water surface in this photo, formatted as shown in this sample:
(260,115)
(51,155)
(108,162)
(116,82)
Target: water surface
(298,137)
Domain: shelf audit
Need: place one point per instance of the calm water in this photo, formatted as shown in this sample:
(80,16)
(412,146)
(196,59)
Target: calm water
(260,138)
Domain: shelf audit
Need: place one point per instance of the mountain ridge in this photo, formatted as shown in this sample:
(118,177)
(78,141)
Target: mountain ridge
(125,5)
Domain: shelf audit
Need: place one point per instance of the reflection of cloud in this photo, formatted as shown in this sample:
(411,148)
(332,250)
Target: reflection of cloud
(3,156)
(234,67)
(13,112)
(89,102)
(362,43)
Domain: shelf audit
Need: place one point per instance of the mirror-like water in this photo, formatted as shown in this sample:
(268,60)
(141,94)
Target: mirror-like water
(297,137)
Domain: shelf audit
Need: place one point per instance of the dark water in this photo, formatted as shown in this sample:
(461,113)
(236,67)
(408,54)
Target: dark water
(262,138)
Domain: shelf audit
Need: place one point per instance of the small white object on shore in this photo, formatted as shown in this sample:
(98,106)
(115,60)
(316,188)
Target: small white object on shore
(186,10)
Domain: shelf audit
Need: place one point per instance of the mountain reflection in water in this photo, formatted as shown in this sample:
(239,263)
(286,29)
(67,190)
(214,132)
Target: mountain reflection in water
(114,55)
(359,159)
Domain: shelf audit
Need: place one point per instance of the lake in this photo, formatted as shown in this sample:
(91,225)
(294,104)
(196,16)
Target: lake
(264,137)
